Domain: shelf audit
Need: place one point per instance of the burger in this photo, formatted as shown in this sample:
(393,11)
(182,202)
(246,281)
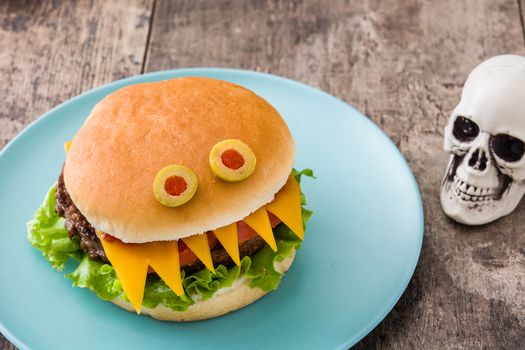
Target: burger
(178,200)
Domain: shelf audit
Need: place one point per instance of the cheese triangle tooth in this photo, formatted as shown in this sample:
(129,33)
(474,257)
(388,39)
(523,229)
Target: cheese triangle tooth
(131,267)
(227,235)
(164,259)
(260,222)
(287,207)
(67,146)
(198,244)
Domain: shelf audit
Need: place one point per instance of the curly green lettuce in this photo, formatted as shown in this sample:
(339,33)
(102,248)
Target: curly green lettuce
(46,232)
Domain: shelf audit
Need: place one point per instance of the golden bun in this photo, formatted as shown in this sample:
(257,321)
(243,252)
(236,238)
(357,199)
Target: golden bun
(136,131)
(222,302)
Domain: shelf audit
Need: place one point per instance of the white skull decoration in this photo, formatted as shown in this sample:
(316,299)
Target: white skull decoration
(485,135)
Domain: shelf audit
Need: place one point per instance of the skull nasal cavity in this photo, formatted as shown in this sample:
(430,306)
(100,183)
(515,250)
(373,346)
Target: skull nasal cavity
(478,160)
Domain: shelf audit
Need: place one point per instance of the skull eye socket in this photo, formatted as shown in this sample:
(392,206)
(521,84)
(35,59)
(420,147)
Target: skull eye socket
(465,129)
(508,148)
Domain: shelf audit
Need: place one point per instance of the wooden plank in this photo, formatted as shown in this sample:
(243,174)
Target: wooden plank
(521,6)
(52,51)
(55,50)
(5,344)
(403,64)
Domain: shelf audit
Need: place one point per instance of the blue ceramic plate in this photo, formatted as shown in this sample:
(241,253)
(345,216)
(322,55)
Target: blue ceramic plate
(362,243)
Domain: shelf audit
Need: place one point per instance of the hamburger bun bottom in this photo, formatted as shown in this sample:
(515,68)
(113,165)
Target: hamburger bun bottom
(225,300)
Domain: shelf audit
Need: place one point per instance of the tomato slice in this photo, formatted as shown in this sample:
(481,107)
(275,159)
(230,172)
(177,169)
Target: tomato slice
(245,232)
(274,220)
(186,256)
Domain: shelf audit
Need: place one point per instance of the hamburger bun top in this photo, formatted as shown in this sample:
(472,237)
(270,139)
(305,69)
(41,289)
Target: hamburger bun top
(138,130)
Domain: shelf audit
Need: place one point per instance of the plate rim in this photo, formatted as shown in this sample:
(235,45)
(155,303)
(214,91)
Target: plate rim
(203,71)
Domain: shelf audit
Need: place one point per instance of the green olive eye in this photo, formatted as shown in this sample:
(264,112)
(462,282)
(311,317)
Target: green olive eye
(232,160)
(175,185)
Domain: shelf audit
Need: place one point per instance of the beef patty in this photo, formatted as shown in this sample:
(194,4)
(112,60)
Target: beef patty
(77,226)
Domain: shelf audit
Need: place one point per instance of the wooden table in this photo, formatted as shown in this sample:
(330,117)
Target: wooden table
(402,63)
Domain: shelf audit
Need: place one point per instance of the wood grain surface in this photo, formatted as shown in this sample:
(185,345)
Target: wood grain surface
(402,63)
(54,50)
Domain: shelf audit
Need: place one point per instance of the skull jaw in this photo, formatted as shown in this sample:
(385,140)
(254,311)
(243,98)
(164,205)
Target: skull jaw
(477,213)
(470,213)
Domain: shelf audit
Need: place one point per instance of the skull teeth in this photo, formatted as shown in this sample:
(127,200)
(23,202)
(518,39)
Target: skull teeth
(471,193)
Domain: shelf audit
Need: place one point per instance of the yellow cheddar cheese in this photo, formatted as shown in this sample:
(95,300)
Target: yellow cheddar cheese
(164,259)
(260,222)
(287,207)
(131,267)
(198,244)
(227,235)
(131,262)
(67,145)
